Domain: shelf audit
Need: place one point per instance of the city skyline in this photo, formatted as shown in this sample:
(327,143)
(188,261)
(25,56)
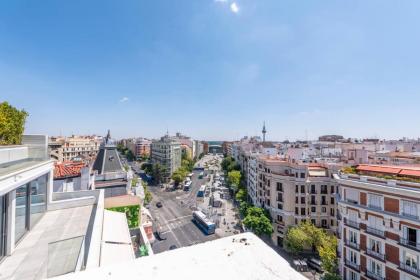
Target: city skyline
(213,69)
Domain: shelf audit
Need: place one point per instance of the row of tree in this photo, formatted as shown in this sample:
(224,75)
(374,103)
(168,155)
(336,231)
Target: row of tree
(126,152)
(307,236)
(187,165)
(254,218)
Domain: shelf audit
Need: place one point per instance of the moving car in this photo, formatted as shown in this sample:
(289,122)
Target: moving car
(159,204)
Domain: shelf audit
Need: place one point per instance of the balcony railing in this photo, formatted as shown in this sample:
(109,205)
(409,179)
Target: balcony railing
(352,201)
(375,231)
(410,216)
(410,269)
(410,244)
(351,223)
(352,244)
(324,192)
(373,275)
(313,192)
(375,254)
(376,207)
(352,265)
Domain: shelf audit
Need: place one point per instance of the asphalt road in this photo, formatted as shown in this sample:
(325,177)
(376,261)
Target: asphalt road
(174,219)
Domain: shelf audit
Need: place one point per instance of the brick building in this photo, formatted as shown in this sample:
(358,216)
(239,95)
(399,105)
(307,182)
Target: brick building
(379,225)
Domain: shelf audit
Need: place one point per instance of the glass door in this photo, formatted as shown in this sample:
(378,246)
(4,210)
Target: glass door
(3,230)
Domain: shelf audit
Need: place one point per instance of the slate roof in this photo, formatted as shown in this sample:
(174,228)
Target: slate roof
(107,160)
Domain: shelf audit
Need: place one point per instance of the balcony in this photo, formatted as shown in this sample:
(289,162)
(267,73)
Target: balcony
(411,216)
(375,254)
(410,244)
(408,268)
(351,223)
(373,275)
(352,244)
(376,232)
(324,203)
(279,199)
(313,192)
(324,192)
(375,207)
(351,201)
(352,265)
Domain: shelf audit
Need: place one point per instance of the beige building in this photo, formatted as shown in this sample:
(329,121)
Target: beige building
(294,193)
(167,152)
(380,225)
(69,148)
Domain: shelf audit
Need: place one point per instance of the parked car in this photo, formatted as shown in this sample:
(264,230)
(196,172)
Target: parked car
(315,264)
(159,204)
(300,265)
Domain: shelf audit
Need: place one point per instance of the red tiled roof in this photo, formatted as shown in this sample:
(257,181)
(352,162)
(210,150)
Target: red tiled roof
(67,169)
(392,170)
(379,169)
(410,172)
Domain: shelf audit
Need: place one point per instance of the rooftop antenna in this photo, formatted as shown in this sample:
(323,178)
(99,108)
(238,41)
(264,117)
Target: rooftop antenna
(264,131)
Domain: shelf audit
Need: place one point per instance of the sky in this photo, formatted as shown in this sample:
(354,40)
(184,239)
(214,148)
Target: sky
(213,69)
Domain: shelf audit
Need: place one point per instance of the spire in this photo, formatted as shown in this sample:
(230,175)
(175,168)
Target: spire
(264,131)
(108,137)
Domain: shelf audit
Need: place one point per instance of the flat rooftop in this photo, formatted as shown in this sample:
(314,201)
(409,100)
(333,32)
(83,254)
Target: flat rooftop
(243,256)
(30,259)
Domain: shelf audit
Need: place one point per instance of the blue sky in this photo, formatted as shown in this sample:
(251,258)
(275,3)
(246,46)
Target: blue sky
(213,69)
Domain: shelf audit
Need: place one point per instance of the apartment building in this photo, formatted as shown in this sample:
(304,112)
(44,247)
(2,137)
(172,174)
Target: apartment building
(252,176)
(167,152)
(140,147)
(295,192)
(379,225)
(69,148)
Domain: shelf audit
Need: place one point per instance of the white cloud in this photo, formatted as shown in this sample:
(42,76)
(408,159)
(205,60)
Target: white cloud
(124,99)
(234,7)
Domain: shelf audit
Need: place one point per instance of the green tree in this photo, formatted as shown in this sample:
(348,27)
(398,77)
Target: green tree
(296,240)
(233,179)
(327,251)
(12,124)
(308,236)
(148,168)
(243,208)
(177,177)
(226,162)
(147,194)
(134,181)
(158,172)
(257,221)
(331,276)
(241,195)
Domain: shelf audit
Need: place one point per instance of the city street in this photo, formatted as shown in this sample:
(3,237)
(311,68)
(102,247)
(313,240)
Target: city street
(174,219)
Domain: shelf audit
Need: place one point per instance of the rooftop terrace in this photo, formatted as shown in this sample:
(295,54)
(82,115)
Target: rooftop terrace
(386,172)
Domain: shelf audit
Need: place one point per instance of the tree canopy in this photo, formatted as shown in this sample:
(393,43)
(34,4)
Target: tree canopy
(12,124)
(234,179)
(308,236)
(257,220)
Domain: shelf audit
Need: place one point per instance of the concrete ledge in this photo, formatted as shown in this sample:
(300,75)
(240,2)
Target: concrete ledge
(71,203)
(94,255)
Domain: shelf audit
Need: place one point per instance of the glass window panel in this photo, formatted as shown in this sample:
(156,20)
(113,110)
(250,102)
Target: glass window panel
(20,212)
(38,189)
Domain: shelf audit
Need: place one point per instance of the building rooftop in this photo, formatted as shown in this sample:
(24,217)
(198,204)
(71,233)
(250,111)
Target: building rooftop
(243,256)
(404,173)
(32,152)
(67,169)
(31,260)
